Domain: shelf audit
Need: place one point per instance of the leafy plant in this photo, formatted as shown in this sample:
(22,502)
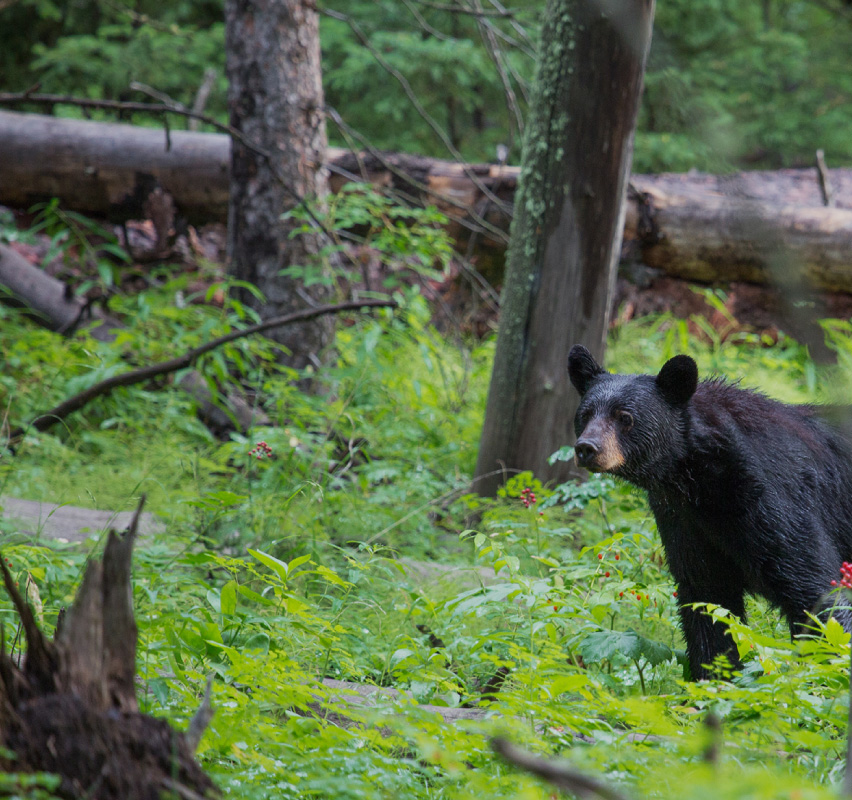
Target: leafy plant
(350,551)
(396,236)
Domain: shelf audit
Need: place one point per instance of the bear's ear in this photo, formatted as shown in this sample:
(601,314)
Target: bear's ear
(678,379)
(582,368)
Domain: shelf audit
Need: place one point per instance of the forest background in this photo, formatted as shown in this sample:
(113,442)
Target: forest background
(758,84)
(348,548)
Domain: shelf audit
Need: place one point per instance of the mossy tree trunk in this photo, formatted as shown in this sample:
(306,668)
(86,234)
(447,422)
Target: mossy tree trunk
(275,98)
(566,231)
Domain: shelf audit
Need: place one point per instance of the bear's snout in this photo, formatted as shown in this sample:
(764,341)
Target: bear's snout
(585,452)
(598,448)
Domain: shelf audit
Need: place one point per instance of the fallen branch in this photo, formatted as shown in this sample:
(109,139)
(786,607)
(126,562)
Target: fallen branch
(559,773)
(47,300)
(66,407)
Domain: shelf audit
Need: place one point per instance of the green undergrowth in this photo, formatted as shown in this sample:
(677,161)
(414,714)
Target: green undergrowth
(302,560)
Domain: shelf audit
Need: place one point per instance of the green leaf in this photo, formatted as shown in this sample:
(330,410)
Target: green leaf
(603,645)
(228,598)
(280,568)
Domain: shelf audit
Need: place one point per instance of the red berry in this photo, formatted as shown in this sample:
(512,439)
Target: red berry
(674,594)
(606,574)
(617,556)
(600,556)
(834,583)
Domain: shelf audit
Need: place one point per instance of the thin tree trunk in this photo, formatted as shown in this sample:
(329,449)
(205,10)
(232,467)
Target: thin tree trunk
(566,231)
(275,99)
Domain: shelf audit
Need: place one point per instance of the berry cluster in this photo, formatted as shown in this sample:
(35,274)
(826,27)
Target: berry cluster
(846,573)
(528,497)
(261,450)
(9,567)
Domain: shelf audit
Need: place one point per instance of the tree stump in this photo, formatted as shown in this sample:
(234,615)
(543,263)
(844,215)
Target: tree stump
(69,707)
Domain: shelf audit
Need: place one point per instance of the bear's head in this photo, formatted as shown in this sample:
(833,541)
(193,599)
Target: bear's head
(630,425)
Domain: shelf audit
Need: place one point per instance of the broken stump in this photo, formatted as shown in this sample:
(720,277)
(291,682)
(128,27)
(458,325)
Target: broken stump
(69,707)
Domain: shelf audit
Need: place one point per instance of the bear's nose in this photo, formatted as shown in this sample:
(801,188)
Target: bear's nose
(585,452)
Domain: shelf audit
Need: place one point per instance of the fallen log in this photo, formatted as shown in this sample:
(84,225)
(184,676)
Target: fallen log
(705,235)
(754,226)
(69,708)
(46,299)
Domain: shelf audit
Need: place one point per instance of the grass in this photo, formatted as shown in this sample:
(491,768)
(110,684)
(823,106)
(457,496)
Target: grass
(276,572)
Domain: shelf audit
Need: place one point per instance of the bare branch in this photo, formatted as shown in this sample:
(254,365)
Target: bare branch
(471,12)
(78,401)
(519,29)
(421,187)
(415,101)
(825,187)
(201,96)
(560,773)
(40,665)
(713,727)
(495,53)
(201,718)
(421,21)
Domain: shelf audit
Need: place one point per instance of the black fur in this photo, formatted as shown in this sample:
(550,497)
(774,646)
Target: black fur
(750,495)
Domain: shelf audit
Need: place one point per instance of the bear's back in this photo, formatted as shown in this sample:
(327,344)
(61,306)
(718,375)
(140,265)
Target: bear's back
(786,459)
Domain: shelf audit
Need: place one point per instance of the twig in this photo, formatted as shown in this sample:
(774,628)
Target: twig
(472,12)
(201,96)
(713,727)
(559,773)
(492,47)
(519,29)
(825,188)
(201,718)
(40,665)
(415,101)
(78,401)
(13,98)
(421,21)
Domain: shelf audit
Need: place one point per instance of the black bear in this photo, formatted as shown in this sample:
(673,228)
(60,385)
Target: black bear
(750,495)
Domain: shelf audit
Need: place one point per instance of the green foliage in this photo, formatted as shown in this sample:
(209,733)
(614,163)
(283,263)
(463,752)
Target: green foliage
(442,58)
(729,84)
(267,579)
(754,84)
(399,237)
(293,557)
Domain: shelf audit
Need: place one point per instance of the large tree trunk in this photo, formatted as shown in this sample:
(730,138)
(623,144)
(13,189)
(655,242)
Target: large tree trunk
(566,230)
(275,99)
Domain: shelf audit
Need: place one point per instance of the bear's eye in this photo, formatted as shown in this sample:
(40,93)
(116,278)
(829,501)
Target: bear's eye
(624,419)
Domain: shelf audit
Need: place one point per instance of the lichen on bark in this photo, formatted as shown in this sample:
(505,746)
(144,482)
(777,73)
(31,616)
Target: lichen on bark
(566,228)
